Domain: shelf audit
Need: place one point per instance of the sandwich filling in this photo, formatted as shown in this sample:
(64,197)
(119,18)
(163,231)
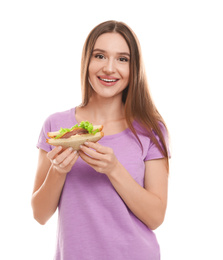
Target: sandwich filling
(83,128)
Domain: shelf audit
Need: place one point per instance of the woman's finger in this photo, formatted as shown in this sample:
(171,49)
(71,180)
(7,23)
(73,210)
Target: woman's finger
(69,160)
(98,147)
(52,154)
(86,158)
(60,158)
(74,159)
(90,152)
(89,160)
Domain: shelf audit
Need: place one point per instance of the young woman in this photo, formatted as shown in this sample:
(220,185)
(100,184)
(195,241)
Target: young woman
(110,195)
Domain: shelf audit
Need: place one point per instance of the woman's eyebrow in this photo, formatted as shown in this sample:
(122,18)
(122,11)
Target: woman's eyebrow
(120,53)
(124,53)
(99,50)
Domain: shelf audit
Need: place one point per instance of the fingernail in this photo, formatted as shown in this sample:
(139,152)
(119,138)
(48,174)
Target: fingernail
(55,161)
(70,149)
(86,143)
(59,148)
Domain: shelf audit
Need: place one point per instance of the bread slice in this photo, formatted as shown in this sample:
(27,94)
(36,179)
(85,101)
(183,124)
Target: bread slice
(76,140)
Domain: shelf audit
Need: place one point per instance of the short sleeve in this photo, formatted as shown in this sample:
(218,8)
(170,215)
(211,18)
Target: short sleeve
(42,144)
(153,151)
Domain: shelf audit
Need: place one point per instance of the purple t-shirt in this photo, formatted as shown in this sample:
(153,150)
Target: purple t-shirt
(93,221)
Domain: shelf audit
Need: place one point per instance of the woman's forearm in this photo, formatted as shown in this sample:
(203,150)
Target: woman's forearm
(145,205)
(45,199)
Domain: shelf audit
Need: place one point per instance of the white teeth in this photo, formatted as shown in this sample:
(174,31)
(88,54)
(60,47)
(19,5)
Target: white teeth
(109,80)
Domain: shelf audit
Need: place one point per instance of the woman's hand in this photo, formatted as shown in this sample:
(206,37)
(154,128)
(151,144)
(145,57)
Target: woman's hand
(62,160)
(99,157)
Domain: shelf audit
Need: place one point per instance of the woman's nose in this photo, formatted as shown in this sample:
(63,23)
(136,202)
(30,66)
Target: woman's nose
(109,66)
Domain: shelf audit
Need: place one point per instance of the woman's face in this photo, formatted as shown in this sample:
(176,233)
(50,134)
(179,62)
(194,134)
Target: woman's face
(109,65)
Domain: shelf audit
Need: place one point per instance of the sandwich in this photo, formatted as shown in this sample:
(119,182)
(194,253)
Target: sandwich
(76,135)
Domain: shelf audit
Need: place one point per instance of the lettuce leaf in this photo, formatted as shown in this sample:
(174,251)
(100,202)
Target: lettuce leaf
(84,124)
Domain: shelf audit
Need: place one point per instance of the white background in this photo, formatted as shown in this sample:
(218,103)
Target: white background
(40,51)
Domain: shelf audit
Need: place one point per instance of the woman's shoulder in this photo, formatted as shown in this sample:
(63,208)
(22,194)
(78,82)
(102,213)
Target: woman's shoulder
(65,119)
(61,114)
(147,136)
(140,129)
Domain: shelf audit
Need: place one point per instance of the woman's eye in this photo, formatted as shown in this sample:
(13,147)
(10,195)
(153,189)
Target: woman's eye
(123,59)
(99,56)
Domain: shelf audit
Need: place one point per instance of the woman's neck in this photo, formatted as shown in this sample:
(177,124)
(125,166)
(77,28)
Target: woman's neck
(102,111)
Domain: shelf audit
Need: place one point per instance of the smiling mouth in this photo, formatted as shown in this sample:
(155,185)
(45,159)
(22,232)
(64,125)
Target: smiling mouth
(108,80)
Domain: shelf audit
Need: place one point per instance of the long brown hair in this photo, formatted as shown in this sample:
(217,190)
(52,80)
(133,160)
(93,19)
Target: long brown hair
(139,105)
